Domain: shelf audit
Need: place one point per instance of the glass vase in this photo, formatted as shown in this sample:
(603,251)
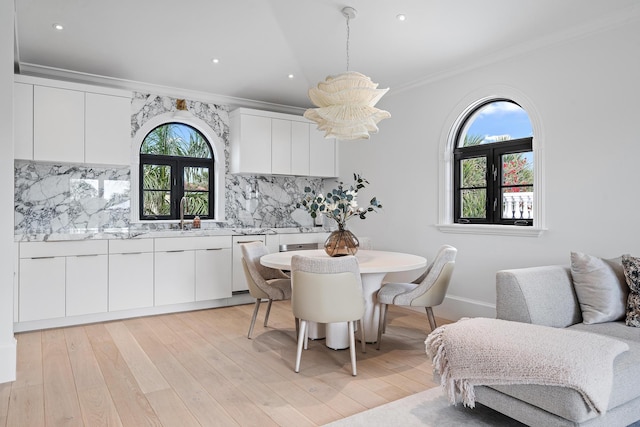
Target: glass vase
(341,242)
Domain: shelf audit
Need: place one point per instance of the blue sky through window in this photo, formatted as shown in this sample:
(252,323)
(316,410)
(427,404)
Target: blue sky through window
(497,119)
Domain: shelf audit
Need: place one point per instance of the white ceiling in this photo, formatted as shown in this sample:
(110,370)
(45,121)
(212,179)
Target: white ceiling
(259,42)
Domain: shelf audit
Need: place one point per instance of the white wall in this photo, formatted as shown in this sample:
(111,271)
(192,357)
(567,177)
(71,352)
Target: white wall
(587,95)
(7,341)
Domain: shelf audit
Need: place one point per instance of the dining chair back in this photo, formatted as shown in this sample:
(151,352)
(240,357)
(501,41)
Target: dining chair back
(426,291)
(327,290)
(263,282)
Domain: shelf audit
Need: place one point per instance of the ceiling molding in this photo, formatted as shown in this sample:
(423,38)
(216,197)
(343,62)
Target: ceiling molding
(608,22)
(36,70)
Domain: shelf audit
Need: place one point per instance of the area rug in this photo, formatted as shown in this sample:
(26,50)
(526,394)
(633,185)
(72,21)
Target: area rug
(429,408)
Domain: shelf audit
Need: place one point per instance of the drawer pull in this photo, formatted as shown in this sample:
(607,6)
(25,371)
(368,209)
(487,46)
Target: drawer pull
(214,249)
(130,253)
(177,250)
(247,241)
(86,255)
(42,257)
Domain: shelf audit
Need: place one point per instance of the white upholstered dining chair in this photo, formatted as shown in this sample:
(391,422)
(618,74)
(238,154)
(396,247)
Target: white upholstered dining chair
(327,291)
(264,282)
(426,291)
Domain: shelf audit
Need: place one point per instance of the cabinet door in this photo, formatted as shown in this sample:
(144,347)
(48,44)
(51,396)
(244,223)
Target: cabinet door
(322,155)
(42,288)
(213,273)
(281,146)
(58,124)
(253,148)
(174,277)
(87,284)
(107,129)
(130,280)
(23,121)
(239,280)
(300,148)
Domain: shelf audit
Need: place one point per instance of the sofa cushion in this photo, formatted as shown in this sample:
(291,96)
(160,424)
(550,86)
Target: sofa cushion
(600,286)
(631,268)
(568,403)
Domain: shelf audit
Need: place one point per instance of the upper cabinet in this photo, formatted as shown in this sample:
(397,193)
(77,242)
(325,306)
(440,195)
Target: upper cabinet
(66,122)
(267,143)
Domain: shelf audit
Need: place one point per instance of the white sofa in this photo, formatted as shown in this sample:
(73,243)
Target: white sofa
(546,296)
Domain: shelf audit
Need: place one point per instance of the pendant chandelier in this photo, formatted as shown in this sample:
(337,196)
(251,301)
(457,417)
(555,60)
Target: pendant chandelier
(346,102)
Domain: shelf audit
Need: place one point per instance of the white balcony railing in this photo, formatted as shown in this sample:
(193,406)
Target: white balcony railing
(517,205)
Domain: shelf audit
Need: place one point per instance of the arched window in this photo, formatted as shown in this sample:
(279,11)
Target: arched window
(176,170)
(493,165)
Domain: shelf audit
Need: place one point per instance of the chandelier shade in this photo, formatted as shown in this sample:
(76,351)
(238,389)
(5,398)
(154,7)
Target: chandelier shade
(346,102)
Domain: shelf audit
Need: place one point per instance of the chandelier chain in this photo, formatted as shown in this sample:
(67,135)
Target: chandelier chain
(348,36)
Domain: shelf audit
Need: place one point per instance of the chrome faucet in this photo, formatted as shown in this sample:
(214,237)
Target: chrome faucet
(183,204)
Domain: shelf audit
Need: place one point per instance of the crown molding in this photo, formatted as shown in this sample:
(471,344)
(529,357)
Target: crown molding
(41,71)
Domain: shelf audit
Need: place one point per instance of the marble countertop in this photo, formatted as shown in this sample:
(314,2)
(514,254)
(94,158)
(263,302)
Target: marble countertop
(132,233)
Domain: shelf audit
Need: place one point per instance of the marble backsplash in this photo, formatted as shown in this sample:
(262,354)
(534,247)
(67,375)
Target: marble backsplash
(79,198)
(59,199)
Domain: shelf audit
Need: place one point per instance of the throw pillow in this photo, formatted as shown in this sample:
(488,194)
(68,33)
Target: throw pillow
(600,287)
(631,268)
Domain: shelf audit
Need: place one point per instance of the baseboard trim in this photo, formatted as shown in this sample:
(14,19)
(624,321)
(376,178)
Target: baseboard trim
(8,361)
(454,308)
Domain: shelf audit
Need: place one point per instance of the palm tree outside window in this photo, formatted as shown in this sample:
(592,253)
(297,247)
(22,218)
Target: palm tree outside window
(176,161)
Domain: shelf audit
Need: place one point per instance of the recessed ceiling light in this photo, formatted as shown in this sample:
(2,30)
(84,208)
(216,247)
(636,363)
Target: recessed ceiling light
(215,60)
(290,76)
(401,17)
(58,27)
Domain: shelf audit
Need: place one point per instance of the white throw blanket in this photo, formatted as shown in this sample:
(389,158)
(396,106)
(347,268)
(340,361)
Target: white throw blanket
(483,351)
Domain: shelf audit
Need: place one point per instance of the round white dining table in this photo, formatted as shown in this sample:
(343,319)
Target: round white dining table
(374,265)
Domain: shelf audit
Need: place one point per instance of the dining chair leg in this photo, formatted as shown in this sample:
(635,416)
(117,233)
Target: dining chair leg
(432,319)
(297,326)
(362,336)
(352,347)
(266,316)
(301,340)
(381,323)
(253,318)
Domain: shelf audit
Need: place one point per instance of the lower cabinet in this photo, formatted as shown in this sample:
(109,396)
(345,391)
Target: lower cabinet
(41,288)
(130,274)
(60,279)
(88,278)
(87,284)
(213,273)
(175,277)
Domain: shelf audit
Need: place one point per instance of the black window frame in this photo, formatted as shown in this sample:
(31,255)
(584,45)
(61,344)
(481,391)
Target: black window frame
(492,152)
(178,165)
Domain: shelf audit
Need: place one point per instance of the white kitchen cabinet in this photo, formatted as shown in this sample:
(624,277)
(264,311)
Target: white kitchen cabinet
(239,279)
(42,288)
(250,143)
(174,277)
(300,132)
(191,269)
(130,274)
(87,284)
(281,147)
(213,273)
(322,155)
(58,124)
(58,279)
(23,121)
(266,143)
(70,122)
(107,129)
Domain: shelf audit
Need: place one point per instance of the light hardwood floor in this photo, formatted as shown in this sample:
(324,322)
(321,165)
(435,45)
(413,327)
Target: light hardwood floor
(199,369)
